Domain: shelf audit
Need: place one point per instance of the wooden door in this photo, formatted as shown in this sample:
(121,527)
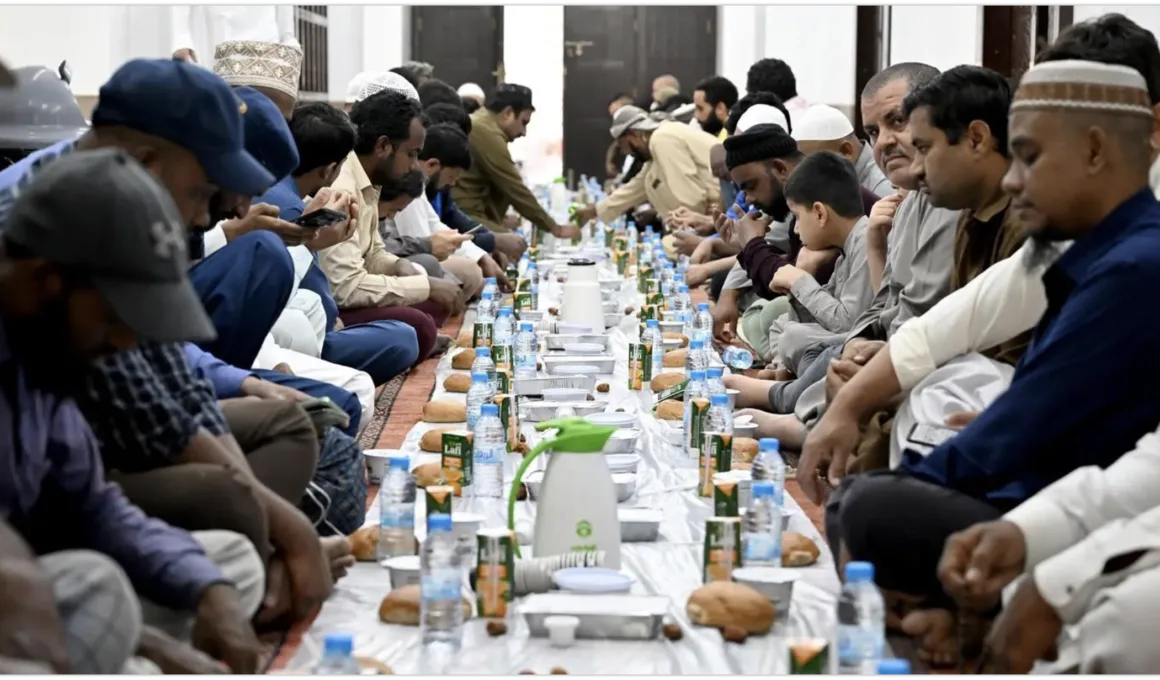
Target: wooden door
(464,44)
(1008,38)
(612,49)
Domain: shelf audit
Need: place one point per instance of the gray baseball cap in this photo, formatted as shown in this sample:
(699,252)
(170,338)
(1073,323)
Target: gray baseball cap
(632,118)
(102,215)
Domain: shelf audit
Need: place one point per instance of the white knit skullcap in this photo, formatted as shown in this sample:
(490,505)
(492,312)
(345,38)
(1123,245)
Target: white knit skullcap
(386,80)
(1083,86)
(355,86)
(470,90)
(759,114)
(821,123)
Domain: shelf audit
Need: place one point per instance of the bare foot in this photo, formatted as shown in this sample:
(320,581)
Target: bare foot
(787,428)
(936,634)
(442,342)
(338,551)
(753,392)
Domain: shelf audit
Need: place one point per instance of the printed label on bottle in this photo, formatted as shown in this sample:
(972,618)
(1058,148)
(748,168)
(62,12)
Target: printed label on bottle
(761,547)
(441,585)
(397,516)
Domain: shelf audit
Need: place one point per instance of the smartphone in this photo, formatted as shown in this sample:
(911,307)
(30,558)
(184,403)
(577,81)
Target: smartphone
(473,229)
(323,217)
(930,435)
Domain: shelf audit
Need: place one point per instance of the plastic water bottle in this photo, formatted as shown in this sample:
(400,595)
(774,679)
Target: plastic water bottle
(503,338)
(683,306)
(714,380)
(488,451)
(893,667)
(396,511)
(702,322)
(861,622)
(534,275)
(737,358)
(441,576)
(484,364)
(526,351)
(487,307)
(769,466)
(695,388)
(337,656)
(525,263)
(695,360)
(720,416)
(489,286)
(762,537)
(481,392)
(667,275)
(652,335)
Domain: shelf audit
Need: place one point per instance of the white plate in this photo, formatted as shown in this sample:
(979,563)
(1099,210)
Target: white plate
(564,394)
(574,329)
(612,419)
(583,348)
(577,369)
(593,580)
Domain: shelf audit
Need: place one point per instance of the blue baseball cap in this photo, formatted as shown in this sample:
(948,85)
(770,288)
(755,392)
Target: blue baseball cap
(191,107)
(268,137)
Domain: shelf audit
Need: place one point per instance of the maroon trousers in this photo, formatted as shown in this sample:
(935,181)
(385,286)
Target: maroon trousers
(425,317)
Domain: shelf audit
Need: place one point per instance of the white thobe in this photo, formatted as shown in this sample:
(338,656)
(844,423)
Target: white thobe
(202,27)
(419,220)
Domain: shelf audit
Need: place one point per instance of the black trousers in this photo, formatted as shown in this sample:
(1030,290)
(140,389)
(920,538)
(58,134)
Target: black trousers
(900,524)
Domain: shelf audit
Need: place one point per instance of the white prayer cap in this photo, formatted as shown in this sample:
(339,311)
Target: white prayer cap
(386,80)
(355,86)
(821,123)
(1083,86)
(759,114)
(471,90)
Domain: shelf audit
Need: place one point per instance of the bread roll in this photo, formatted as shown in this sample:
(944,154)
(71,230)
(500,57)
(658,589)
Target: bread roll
(666,380)
(444,412)
(364,544)
(675,358)
(457,382)
(463,360)
(725,603)
(744,450)
(675,336)
(428,474)
(797,550)
(671,410)
(401,606)
(371,666)
(432,440)
(465,340)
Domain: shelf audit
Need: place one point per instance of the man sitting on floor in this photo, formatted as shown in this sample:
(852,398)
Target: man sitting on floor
(67,299)
(1079,171)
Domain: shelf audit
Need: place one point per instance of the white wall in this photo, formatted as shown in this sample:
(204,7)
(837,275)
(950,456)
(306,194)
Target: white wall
(817,41)
(943,36)
(533,55)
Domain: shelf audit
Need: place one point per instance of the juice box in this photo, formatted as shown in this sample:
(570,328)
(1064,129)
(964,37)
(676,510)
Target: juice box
(481,334)
(438,501)
(512,273)
(495,575)
(808,656)
(643,273)
(523,300)
(694,440)
(457,460)
(716,455)
(507,418)
(656,299)
(726,493)
(722,548)
(503,376)
(648,312)
(621,259)
(639,365)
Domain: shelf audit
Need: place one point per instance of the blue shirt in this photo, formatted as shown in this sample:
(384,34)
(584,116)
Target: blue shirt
(284,196)
(1086,388)
(54,493)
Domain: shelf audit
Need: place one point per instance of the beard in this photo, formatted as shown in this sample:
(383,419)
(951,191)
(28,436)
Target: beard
(778,209)
(42,343)
(1044,250)
(713,126)
(432,187)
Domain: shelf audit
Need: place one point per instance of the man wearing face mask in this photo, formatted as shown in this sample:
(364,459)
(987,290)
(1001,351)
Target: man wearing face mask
(493,184)
(676,173)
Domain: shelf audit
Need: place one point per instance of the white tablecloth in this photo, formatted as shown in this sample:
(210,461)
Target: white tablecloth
(671,567)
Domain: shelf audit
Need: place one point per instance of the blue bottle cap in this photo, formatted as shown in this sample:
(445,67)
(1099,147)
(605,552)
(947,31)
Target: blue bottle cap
(859,572)
(682,288)
(478,377)
(668,264)
(438,523)
(486,295)
(768,444)
(489,409)
(483,351)
(526,326)
(702,306)
(762,489)
(697,375)
(719,400)
(651,323)
(401,462)
(505,311)
(490,279)
(338,644)
(893,667)
(696,343)
(716,371)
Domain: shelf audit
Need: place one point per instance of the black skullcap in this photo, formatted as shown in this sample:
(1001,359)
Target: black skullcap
(759,143)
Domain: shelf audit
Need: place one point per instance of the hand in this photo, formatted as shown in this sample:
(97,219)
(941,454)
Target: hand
(405,267)
(696,275)
(724,318)
(829,444)
(176,658)
(445,294)
(30,627)
(264,217)
(489,267)
(584,214)
(979,562)
(882,214)
(960,419)
(813,260)
(566,231)
(645,216)
(339,232)
(703,252)
(686,241)
(223,631)
(1026,631)
(785,277)
(263,389)
(838,373)
(186,54)
(726,228)
(511,245)
(861,350)
(445,243)
(753,225)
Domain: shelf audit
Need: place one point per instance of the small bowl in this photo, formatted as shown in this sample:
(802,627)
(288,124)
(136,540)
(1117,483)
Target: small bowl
(622,463)
(613,419)
(575,348)
(622,441)
(748,430)
(577,369)
(466,523)
(639,525)
(561,630)
(535,316)
(564,394)
(671,326)
(573,329)
(612,320)
(404,570)
(625,483)
(775,583)
(377,460)
(732,393)
(671,343)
